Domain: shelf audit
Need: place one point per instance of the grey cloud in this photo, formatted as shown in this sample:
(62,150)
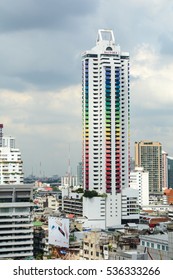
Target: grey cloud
(31,14)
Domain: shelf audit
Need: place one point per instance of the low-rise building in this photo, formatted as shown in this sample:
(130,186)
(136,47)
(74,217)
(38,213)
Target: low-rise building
(95,246)
(158,246)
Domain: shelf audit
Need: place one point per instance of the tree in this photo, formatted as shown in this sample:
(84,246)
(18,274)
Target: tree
(90,194)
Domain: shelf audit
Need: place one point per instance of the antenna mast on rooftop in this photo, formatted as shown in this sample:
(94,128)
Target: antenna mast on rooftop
(69,167)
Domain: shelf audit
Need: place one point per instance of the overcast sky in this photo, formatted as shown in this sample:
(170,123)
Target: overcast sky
(41,42)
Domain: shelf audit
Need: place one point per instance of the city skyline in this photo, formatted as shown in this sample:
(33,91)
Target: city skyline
(40,74)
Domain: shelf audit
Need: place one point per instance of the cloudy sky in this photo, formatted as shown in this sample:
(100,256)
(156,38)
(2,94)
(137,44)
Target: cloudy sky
(41,42)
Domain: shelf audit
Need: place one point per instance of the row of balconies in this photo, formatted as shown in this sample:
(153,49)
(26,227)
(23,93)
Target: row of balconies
(10,226)
(12,249)
(75,212)
(10,220)
(11,237)
(16,255)
(73,209)
(72,202)
(13,242)
(16,231)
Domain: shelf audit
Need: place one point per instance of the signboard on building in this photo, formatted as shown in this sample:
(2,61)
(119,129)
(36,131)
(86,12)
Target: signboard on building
(58,232)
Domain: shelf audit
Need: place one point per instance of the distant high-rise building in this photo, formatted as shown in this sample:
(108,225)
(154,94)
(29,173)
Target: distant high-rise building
(106,126)
(132,164)
(79,174)
(1,134)
(148,154)
(164,170)
(170,172)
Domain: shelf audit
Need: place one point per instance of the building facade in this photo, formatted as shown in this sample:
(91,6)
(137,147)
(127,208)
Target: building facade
(16,227)
(139,180)
(170,172)
(8,141)
(106,120)
(69,180)
(148,154)
(11,164)
(130,206)
(164,170)
(79,174)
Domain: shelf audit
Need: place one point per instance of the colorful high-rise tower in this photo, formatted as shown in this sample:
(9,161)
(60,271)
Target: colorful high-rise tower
(106,116)
(106,119)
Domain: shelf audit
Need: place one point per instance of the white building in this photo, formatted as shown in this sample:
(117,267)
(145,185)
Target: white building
(139,180)
(11,166)
(8,141)
(69,180)
(106,121)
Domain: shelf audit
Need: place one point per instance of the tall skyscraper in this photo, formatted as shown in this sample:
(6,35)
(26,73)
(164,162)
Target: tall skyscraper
(106,119)
(148,154)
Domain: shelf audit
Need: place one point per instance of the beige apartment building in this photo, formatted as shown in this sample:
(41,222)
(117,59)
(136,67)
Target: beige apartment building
(148,154)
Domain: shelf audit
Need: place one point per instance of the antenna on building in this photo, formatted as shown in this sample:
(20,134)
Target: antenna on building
(40,170)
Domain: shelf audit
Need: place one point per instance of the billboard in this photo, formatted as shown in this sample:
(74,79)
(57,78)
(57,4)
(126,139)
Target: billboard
(58,231)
